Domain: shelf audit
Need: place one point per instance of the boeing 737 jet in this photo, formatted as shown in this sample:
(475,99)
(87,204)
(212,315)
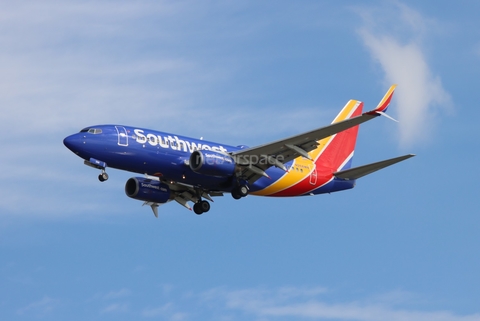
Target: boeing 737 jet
(188,170)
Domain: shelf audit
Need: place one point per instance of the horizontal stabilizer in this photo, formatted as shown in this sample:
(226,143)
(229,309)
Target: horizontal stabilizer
(360,171)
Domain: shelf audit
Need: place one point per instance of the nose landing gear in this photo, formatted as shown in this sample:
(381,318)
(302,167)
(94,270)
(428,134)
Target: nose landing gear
(95,163)
(103,176)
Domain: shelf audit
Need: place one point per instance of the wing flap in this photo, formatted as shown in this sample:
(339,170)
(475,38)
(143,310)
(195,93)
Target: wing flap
(360,171)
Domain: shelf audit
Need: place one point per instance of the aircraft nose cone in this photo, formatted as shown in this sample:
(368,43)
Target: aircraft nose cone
(72,142)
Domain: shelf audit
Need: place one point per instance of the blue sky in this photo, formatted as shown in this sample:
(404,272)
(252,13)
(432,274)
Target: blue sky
(402,245)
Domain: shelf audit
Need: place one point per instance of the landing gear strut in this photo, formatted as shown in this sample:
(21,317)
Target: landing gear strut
(201,207)
(95,163)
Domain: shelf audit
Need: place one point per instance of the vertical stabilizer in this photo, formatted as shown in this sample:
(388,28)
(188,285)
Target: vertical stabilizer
(335,153)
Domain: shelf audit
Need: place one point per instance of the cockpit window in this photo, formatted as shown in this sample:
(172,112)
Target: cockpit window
(92,130)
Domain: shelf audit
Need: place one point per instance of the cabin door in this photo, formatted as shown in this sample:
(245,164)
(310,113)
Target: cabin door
(122,136)
(313,175)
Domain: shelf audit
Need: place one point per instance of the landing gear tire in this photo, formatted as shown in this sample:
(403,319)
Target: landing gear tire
(205,206)
(242,190)
(239,192)
(103,177)
(235,195)
(201,207)
(197,209)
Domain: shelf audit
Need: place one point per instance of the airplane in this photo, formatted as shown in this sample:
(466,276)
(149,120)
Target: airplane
(184,169)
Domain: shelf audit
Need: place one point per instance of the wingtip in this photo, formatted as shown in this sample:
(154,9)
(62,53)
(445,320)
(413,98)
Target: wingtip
(383,105)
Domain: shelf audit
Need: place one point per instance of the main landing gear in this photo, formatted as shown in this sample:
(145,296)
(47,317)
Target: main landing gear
(240,191)
(201,207)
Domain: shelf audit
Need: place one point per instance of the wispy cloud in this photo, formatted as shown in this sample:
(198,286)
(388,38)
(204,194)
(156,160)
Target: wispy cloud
(75,65)
(113,302)
(115,308)
(117,294)
(394,36)
(40,307)
(265,303)
(157,311)
(166,312)
(353,311)
(305,303)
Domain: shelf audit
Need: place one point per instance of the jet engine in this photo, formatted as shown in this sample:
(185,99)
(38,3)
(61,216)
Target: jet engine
(212,163)
(148,190)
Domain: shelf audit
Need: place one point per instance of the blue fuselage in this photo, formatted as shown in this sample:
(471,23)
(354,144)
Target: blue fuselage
(154,153)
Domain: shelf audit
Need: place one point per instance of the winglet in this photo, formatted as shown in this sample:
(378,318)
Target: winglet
(383,105)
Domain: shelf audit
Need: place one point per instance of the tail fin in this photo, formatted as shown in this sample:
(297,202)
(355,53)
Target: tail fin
(335,153)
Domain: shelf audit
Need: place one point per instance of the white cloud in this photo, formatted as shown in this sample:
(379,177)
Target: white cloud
(306,303)
(117,294)
(65,64)
(69,65)
(157,311)
(353,311)
(166,311)
(396,43)
(40,307)
(113,302)
(115,308)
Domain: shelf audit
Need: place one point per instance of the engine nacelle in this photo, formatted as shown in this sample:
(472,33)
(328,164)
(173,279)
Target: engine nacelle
(212,163)
(148,190)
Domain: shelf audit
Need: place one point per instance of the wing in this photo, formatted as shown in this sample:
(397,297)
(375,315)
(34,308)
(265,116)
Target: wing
(254,161)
